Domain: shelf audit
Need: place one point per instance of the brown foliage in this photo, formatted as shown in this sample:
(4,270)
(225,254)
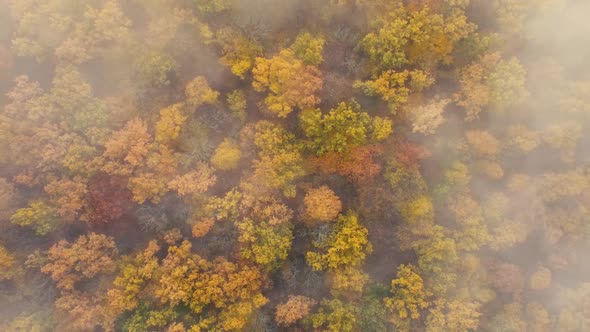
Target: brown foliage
(409,154)
(108,198)
(81,312)
(507,278)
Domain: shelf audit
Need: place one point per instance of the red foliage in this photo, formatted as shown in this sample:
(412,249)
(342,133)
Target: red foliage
(108,198)
(358,165)
(409,154)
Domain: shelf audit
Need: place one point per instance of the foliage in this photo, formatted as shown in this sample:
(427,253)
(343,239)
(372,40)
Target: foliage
(198,92)
(347,245)
(263,243)
(7,264)
(289,81)
(309,48)
(395,87)
(68,263)
(428,118)
(322,204)
(171,121)
(408,295)
(335,315)
(281,161)
(342,128)
(154,69)
(296,308)
(226,156)
(233,291)
(215,143)
(239,51)
(134,273)
(40,216)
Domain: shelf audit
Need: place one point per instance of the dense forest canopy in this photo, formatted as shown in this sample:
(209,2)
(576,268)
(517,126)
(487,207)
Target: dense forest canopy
(294,165)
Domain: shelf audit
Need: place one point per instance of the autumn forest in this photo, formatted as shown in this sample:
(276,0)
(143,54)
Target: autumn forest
(294,165)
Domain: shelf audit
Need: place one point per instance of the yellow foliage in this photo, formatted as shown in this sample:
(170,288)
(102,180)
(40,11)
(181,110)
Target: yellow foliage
(226,156)
(170,123)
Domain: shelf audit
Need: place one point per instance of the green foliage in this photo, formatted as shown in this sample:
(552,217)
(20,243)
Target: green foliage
(281,161)
(373,314)
(39,216)
(264,244)
(237,103)
(154,69)
(239,51)
(224,208)
(145,318)
(335,316)
(309,48)
(414,37)
(342,128)
(395,87)
(507,83)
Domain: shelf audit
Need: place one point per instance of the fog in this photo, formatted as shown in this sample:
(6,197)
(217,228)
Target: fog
(294,165)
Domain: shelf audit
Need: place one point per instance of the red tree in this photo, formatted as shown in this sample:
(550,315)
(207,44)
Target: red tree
(108,198)
(409,154)
(358,165)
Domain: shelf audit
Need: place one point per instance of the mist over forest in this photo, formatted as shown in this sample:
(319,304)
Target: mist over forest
(294,165)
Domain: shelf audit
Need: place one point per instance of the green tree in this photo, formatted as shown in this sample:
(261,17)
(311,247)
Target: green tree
(264,244)
(395,87)
(342,128)
(39,216)
(309,48)
(280,160)
(154,69)
(336,316)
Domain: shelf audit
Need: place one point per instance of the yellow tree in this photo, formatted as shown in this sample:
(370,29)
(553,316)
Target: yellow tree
(289,81)
(408,296)
(198,92)
(7,264)
(135,273)
(227,156)
(171,120)
(347,246)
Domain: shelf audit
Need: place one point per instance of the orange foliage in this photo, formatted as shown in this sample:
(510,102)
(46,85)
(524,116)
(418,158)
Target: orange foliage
(358,165)
(295,308)
(322,204)
(202,227)
(69,263)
